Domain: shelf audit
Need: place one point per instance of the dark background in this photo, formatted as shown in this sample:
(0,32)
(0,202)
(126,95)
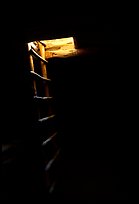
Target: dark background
(91,96)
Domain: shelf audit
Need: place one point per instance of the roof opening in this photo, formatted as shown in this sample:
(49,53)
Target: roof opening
(62,47)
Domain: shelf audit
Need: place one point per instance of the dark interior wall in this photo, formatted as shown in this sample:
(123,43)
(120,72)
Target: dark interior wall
(91,105)
(89,94)
(17,91)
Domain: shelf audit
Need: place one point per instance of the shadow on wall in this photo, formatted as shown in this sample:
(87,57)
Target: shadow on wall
(89,94)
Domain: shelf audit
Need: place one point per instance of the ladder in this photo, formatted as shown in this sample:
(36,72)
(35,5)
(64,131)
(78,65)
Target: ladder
(44,116)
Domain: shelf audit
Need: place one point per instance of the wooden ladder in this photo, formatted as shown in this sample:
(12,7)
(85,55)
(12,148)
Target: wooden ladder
(44,117)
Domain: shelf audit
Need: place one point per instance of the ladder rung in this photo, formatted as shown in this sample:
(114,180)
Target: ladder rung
(50,163)
(49,139)
(35,54)
(43,43)
(46,118)
(39,98)
(39,76)
(52,186)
